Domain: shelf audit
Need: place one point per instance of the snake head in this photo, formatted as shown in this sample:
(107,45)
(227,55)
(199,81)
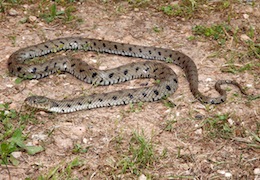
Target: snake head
(39,102)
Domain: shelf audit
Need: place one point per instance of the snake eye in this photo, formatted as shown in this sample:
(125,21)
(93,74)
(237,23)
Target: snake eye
(212,101)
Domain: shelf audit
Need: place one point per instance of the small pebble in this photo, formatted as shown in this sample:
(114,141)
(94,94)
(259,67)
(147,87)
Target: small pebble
(244,37)
(12,12)
(228,175)
(142,177)
(16,154)
(32,18)
(257,171)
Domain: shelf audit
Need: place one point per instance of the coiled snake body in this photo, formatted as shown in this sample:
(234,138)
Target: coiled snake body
(166,85)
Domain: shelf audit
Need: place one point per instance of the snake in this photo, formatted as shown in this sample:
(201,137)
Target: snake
(166,81)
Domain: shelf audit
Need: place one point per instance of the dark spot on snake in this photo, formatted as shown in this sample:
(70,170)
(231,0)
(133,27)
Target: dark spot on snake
(69,105)
(156,92)
(94,43)
(175,80)
(55,64)
(94,74)
(79,103)
(100,100)
(104,45)
(130,49)
(73,65)
(124,102)
(63,110)
(161,73)
(125,72)
(64,63)
(136,69)
(115,46)
(46,68)
(114,98)
(46,46)
(140,50)
(179,58)
(170,55)
(9,63)
(144,94)
(155,70)
(81,70)
(150,52)
(19,69)
(111,75)
(147,69)
(89,102)
(62,42)
(222,100)
(168,87)
(159,53)
(130,96)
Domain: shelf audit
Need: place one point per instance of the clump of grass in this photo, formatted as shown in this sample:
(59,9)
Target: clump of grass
(219,127)
(216,32)
(11,136)
(140,155)
(185,8)
(63,170)
(54,13)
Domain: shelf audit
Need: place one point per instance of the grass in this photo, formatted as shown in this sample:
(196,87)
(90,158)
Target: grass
(222,34)
(12,137)
(48,11)
(219,127)
(185,8)
(140,155)
(62,171)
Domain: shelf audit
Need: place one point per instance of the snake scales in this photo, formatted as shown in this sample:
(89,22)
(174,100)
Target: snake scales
(167,85)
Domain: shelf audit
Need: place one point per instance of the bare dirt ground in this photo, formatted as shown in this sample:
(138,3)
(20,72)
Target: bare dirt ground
(180,135)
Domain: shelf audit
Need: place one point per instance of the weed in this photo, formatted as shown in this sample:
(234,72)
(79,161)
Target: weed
(219,127)
(185,8)
(216,32)
(52,14)
(79,149)
(11,136)
(63,170)
(140,155)
(13,39)
(169,125)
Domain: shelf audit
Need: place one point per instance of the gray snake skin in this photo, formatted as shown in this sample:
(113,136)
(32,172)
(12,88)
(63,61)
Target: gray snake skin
(167,79)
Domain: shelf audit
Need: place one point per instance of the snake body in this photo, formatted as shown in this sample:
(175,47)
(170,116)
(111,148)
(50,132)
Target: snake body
(166,85)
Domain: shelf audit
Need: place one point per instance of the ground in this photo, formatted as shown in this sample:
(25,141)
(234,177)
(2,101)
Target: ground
(169,139)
